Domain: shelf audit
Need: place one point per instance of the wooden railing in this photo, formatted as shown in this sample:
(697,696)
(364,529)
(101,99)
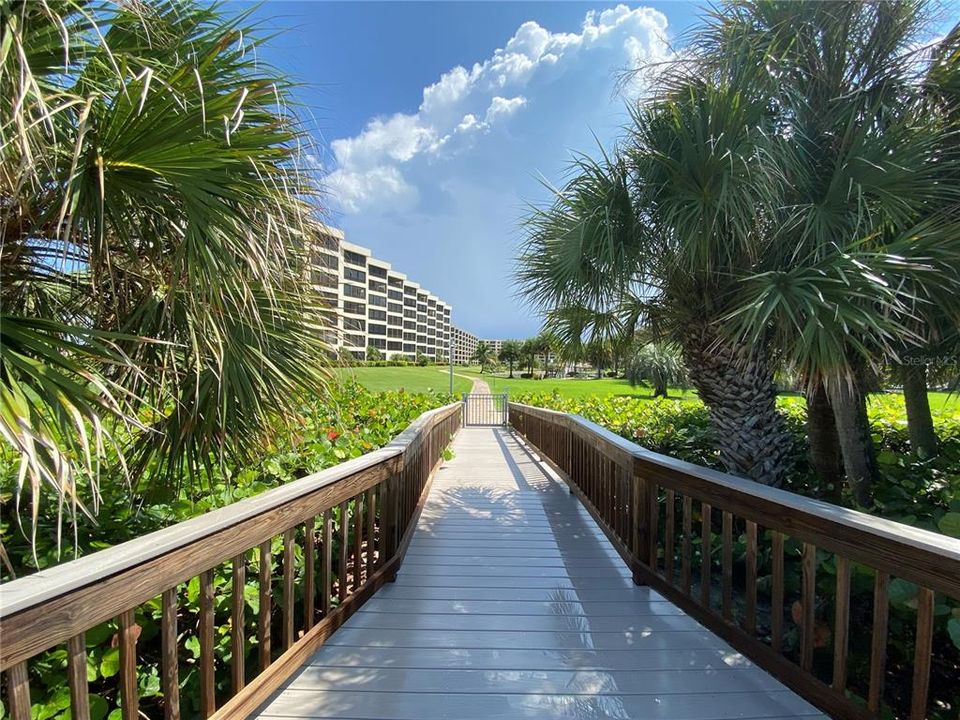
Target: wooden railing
(366,508)
(662,515)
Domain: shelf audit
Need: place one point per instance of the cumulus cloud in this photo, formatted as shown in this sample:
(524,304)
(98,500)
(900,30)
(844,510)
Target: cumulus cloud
(377,170)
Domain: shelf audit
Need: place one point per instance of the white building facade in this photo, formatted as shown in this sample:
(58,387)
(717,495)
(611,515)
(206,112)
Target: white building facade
(377,306)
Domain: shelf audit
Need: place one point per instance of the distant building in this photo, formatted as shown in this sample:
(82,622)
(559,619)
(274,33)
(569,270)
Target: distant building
(465,345)
(375,305)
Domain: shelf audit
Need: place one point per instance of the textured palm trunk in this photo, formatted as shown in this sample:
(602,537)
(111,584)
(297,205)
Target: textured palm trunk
(923,437)
(737,387)
(849,402)
(825,454)
(659,388)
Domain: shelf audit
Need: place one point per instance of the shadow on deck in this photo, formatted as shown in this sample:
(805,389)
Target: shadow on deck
(511,603)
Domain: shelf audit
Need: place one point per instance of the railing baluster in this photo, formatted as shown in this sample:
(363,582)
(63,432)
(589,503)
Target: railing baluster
(878,646)
(357,541)
(171,667)
(288,577)
(922,655)
(18,691)
(326,563)
(263,620)
(237,617)
(705,543)
(344,552)
(309,577)
(776,603)
(808,592)
(208,702)
(727,566)
(371,505)
(841,625)
(669,538)
(750,616)
(686,552)
(77,677)
(129,696)
(653,514)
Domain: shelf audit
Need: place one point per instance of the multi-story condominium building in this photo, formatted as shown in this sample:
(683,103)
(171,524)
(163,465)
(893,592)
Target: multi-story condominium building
(464,346)
(376,306)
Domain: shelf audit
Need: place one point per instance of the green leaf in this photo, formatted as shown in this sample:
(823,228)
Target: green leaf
(110,664)
(98,707)
(950,524)
(902,592)
(953,629)
(192,644)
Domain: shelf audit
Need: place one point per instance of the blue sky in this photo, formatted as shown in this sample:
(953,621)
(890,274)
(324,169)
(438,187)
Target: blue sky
(434,123)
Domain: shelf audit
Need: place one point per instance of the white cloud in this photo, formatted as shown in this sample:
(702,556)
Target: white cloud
(503,107)
(380,169)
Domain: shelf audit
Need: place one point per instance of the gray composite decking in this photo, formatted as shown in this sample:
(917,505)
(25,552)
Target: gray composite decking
(511,603)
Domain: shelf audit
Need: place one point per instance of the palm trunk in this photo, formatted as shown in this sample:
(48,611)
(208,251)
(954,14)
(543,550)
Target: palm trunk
(737,387)
(659,389)
(923,437)
(511,369)
(825,455)
(849,403)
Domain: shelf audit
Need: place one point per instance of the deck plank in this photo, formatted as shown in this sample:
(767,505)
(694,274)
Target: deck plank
(512,604)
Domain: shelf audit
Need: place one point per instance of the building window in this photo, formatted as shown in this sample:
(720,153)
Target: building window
(394,281)
(378,343)
(377,329)
(331,262)
(410,290)
(394,346)
(355,308)
(354,340)
(409,348)
(354,258)
(412,315)
(410,336)
(394,333)
(395,295)
(355,324)
(395,308)
(354,291)
(377,271)
(377,286)
(409,325)
(393,320)
(377,315)
(354,274)
(378,300)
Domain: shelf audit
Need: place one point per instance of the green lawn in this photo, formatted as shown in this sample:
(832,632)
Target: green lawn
(411,379)
(576,387)
(422,379)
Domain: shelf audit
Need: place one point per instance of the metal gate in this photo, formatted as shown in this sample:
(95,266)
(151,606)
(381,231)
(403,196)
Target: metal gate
(485,410)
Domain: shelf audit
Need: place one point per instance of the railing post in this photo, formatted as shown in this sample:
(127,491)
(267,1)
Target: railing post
(641,539)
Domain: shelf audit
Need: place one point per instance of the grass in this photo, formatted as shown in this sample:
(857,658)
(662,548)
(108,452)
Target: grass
(422,379)
(577,387)
(411,379)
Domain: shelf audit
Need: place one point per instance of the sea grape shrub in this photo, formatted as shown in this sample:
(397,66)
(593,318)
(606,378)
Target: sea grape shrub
(349,422)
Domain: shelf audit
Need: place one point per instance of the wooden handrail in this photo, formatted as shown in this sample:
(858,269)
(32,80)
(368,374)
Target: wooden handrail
(381,493)
(644,504)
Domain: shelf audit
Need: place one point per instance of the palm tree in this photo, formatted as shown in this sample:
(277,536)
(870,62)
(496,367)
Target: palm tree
(154,231)
(509,353)
(668,222)
(483,355)
(657,363)
(862,240)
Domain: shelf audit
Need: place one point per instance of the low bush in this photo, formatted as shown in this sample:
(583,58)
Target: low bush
(351,422)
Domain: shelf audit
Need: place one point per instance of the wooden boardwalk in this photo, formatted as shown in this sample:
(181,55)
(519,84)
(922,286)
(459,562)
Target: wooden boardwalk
(511,603)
